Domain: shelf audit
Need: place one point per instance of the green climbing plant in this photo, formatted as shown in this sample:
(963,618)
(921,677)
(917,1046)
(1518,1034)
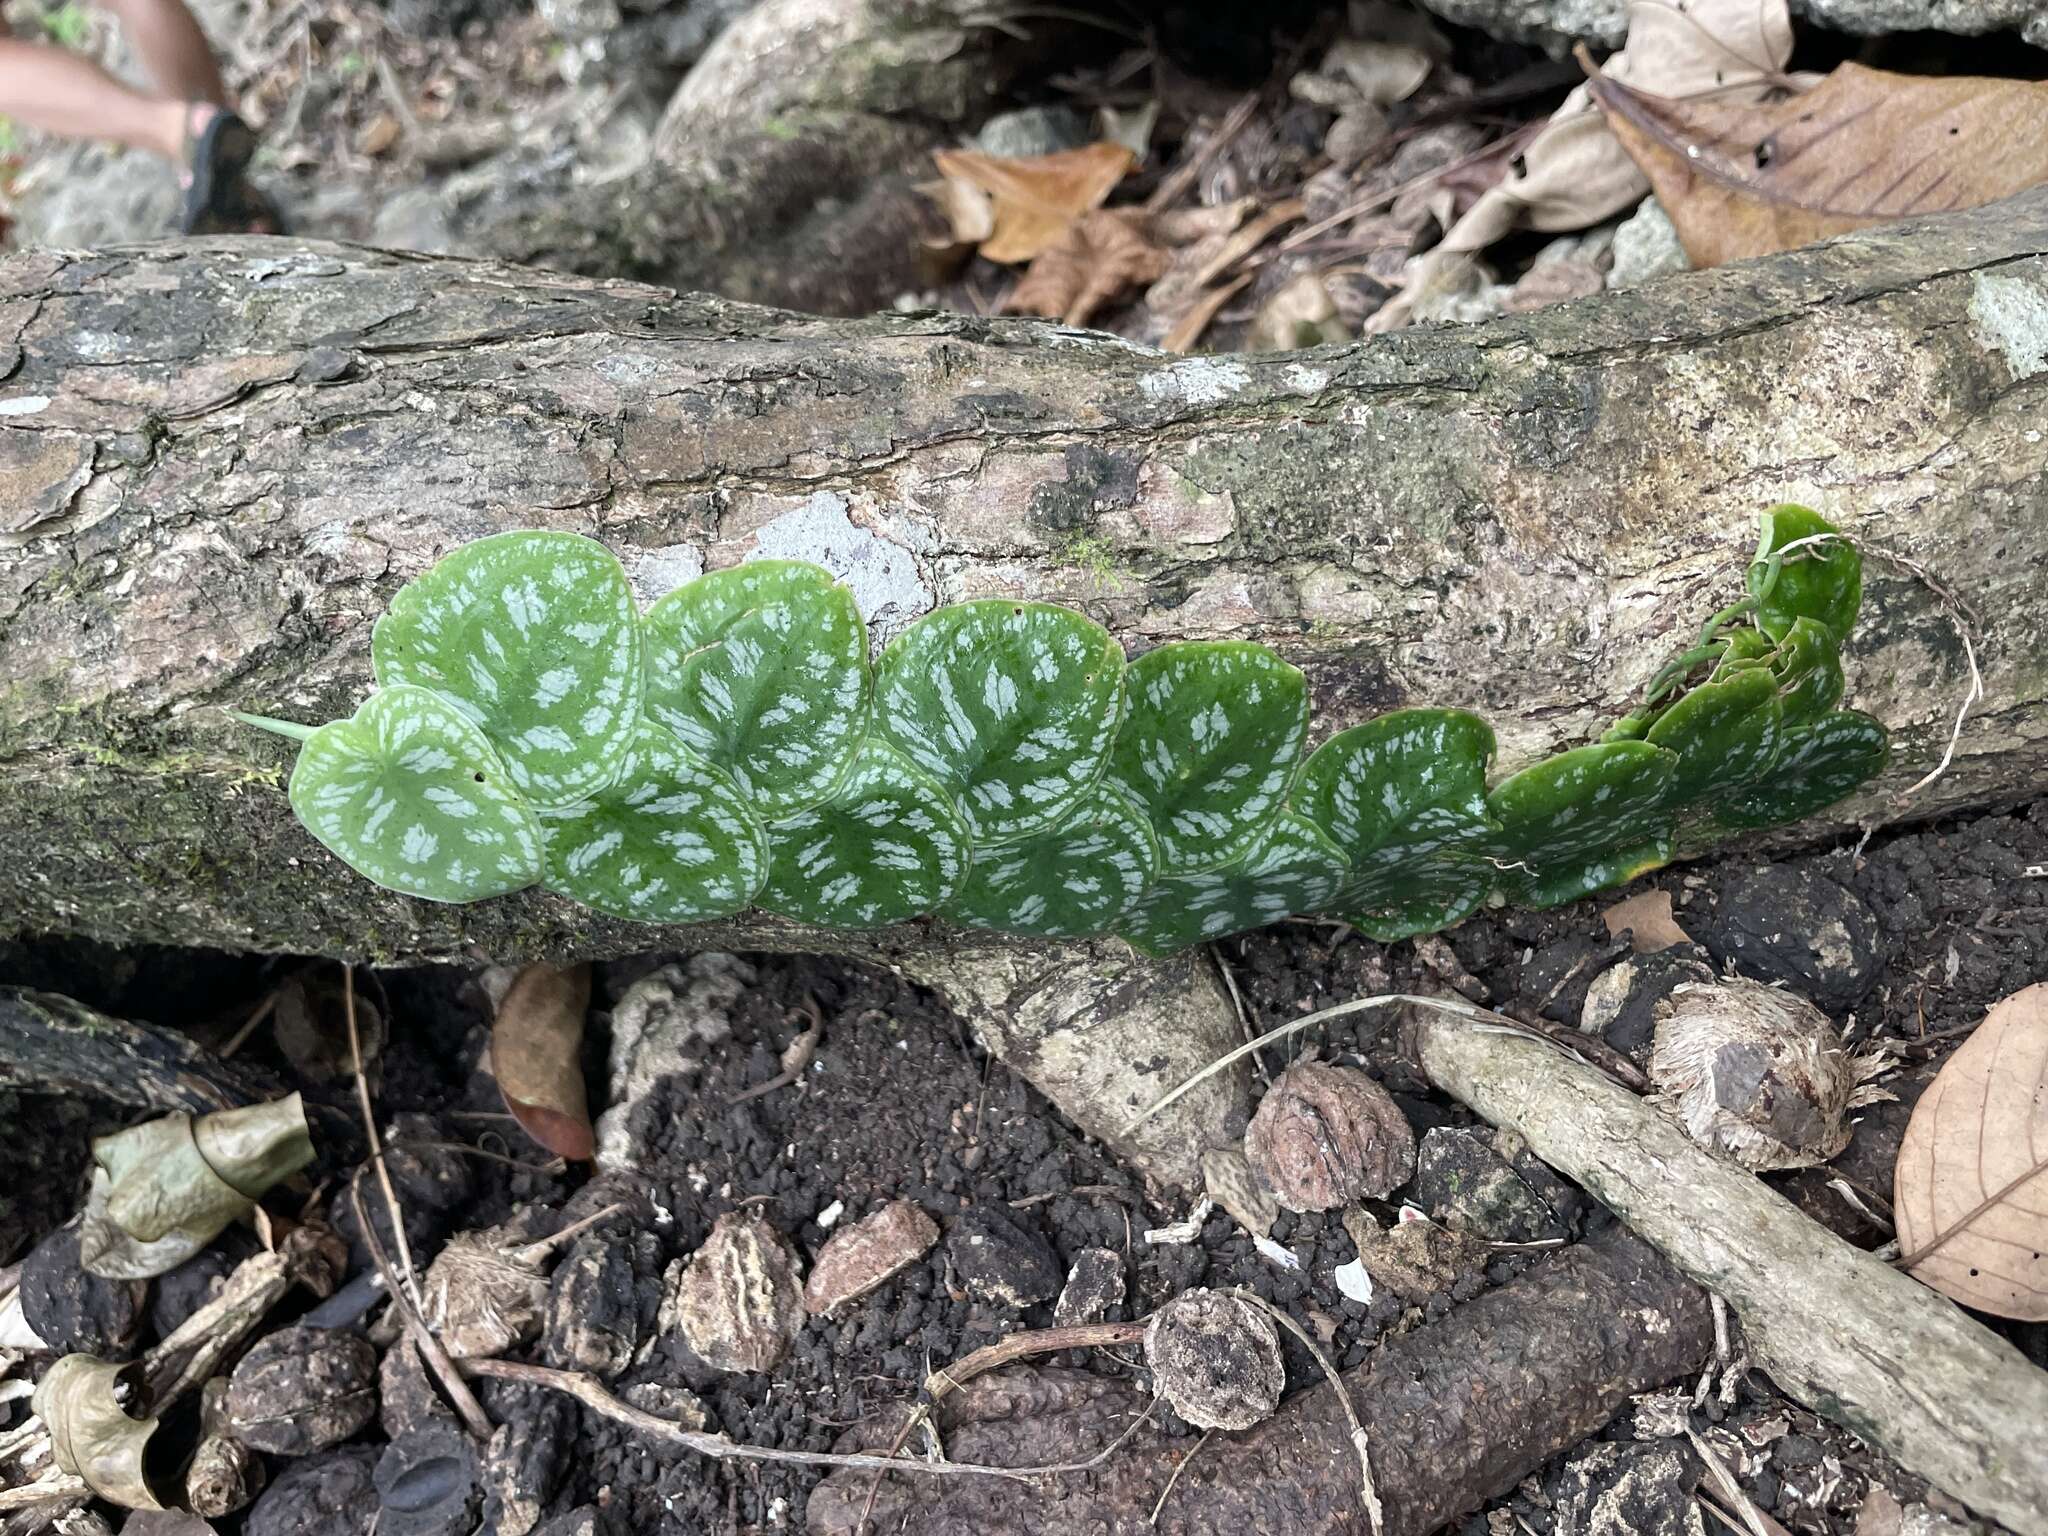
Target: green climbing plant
(1001,765)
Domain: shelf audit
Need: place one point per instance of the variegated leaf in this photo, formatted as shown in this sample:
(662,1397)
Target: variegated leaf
(1583,820)
(535,636)
(1807,664)
(887,847)
(1211,745)
(763,670)
(1822,581)
(1074,880)
(1411,778)
(1819,764)
(670,840)
(1012,707)
(1291,867)
(1433,892)
(1723,734)
(408,793)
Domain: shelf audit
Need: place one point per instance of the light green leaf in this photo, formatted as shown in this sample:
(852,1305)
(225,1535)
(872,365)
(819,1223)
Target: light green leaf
(670,840)
(1012,707)
(1211,745)
(887,847)
(1291,867)
(1822,582)
(1412,777)
(1073,880)
(1808,667)
(97,1430)
(1820,763)
(1583,820)
(534,635)
(763,670)
(409,794)
(1724,734)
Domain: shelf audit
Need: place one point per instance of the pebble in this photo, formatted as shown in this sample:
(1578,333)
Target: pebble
(1094,1288)
(1791,923)
(1000,1261)
(1465,1183)
(875,1249)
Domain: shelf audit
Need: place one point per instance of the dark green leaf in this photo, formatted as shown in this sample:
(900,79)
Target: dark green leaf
(1582,820)
(1724,734)
(763,670)
(1431,893)
(1820,763)
(1822,582)
(670,840)
(1406,778)
(885,848)
(1291,867)
(1076,879)
(1011,707)
(1211,745)
(1808,668)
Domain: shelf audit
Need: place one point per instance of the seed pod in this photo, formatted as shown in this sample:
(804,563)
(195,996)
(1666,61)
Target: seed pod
(1758,1074)
(302,1390)
(1215,1359)
(739,1301)
(1325,1136)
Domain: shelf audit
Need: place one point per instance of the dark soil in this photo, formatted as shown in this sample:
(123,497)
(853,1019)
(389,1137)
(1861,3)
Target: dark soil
(897,1104)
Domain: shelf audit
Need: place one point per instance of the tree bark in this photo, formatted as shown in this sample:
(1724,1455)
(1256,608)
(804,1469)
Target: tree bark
(1454,1414)
(221,458)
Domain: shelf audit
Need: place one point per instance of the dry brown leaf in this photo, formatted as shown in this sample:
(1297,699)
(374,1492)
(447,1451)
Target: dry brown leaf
(1861,147)
(1971,1189)
(1102,254)
(1036,197)
(1647,918)
(378,135)
(536,1055)
(1188,329)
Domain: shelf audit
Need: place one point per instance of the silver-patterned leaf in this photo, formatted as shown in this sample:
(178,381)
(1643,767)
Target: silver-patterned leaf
(1582,821)
(763,670)
(1012,707)
(1211,744)
(535,636)
(1071,881)
(409,793)
(1291,867)
(887,847)
(1410,777)
(670,840)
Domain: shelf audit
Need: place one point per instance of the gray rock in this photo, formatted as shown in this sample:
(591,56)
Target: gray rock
(1034,131)
(1556,24)
(1621,1004)
(1000,1261)
(1464,1181)
(1646,246)
(427,1484)
(1094,1288)
(663,1026)
(1791,923)
(593,1314)
(332,1494)
(1622,1489)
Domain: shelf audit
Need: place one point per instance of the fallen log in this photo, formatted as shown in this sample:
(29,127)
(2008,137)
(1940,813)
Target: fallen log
(220,459)
(1456,1413)
(1842,1332)
(53,1044)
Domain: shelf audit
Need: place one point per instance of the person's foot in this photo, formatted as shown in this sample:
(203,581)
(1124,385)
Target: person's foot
(218,197)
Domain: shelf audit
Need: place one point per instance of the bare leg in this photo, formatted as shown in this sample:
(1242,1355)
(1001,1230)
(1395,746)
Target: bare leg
(61,93)
(172,48)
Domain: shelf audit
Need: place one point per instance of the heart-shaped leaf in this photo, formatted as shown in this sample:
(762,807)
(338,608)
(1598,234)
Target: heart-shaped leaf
(1822,582)
(763,670)
(408,793)
(1405,778)
(1074,880)
(535,636)
(1291,867)
(1808,667)
(1012,707)
(1724,734)
(1431,892)
(1583,820)
(1211,745)
(1818,765)
(670,840)
(887,847)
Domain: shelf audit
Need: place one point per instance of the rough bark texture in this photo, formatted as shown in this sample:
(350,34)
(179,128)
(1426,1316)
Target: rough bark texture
(1456,1413)
(1841,1331)
(52,1044)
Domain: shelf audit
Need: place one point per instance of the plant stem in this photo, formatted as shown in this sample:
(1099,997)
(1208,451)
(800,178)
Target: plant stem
(289,728)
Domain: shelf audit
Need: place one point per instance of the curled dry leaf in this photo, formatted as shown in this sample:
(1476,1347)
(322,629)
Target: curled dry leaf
(166,1188)
(537,1056)
(1864,146)
(90,1406)
(1032,199)
(1646,918)
(1100,256)
(1971,1189)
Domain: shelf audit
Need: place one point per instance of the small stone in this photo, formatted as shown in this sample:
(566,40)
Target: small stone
(663,1025)
(333,1495)
(1646,246)
(857,1259)
(593,1313)
(1228,1178)
(301,1390)
(1618,1488)
(176,1295)
(406,1398)
(1040,130)
(679,1405)
(1466,1184)
(1094,1288)
(1791,923)
(739,1301)
(75,1312)
(1413,1259)
(1000,1261)
(525,1465)
(1325,1136)
(1215,1359)
(580,1521)
(427,1484)
(1359,128)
